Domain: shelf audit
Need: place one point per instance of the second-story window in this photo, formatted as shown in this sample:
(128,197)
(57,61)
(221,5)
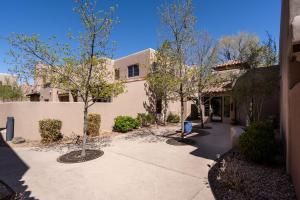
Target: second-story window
(133,70)
(154,67)
(117,74)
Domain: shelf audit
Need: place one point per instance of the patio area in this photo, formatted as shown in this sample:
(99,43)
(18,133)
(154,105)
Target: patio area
(136,165)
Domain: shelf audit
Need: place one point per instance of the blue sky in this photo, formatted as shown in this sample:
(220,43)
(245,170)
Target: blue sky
(139,22)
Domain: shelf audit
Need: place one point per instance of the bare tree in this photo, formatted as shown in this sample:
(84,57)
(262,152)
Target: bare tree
(83,71)
(234,47)
(205,55)
(178,20)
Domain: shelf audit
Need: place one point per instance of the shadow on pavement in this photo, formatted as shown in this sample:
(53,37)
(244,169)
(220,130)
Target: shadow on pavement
(211,142)
(12,169)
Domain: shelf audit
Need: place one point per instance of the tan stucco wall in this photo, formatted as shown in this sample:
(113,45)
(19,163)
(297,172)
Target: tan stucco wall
(285,49)
(142,58)
(290,91)
(27,114)
(294,146)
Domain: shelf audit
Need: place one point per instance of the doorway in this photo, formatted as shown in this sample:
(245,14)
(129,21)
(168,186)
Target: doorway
(216,106)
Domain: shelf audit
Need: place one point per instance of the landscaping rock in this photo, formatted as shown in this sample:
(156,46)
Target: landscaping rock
(235,133)
(233,177)
(18,140)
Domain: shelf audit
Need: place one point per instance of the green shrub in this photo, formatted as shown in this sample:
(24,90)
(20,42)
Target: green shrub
(125,123)
(258,142)
(173,118)
(145,119)
(94,121)
(50,130)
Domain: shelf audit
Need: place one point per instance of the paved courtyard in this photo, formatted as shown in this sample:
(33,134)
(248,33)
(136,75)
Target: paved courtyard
(140,166)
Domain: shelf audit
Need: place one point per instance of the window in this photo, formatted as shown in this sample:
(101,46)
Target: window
(35,97)
(154,67)
(227,106)
(63,97)
(74,94)
(117,74)
(103,99)
(47,85)
(206,106)
(133,70)
(158,106)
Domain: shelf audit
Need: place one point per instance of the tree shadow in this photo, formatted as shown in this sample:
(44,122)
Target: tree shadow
(210,144)
(12,170)
(150,106)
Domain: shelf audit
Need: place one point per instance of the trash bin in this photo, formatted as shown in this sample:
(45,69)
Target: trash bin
(188,127)
(10,128)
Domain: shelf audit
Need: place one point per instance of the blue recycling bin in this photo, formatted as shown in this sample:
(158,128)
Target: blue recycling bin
(188,127)
(10,128)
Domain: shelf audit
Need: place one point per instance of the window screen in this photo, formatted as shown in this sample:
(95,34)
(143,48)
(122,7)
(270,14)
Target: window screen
(133,70)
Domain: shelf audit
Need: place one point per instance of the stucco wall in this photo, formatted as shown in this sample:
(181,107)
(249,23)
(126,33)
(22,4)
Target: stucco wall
(142,58)
(129,103)
(290,100)
(267,78)
(294,147)
(27,114)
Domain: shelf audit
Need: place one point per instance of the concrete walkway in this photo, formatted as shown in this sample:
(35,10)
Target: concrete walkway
(132,167)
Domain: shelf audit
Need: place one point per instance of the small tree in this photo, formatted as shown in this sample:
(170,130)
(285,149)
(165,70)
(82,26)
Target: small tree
(82,71)
(178,19)
(161,77)
(10,91)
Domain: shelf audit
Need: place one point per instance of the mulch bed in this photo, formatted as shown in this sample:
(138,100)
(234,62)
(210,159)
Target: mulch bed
(233,177)
(75,156)
(180,142)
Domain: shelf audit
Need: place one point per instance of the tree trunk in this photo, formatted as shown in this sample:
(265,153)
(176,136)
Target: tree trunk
(85,121)
(252,110)
(181,112)
(165,110)
(200,111)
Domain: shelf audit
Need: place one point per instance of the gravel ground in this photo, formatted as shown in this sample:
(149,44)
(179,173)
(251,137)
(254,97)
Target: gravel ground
(74,142)
(233,177)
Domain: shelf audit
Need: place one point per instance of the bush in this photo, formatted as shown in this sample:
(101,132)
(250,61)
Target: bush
(173,118)
(94,121)
(50,130)
(145,119)
(125,123)
(258,142)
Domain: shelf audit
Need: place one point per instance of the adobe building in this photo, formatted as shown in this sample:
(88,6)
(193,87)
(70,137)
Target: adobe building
(290,86)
